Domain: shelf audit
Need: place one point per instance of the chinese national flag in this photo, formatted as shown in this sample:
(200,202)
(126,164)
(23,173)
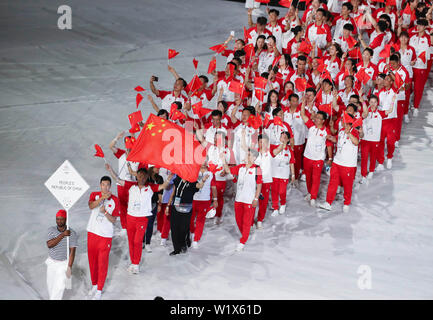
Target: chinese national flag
(326,108)
(305,47)
(260,95)
(139,88)
(263,1)
(194,84)
(135,117)
(260,82)
(172,53)
(391,3)
(167,145)
(177,115)
(398,81)
(218,48)
(195,63)
(321,30)
(355,54)
(278,121)
(255,121)
(249,53)
(301,84)
(129,142)
(357,123)
(347,118)
(135,128)
(285,3)
(199,110)
(422,57)
(362,76)
(321,67)
(138,99)
(212,66)
(236,87)
(350,42)
(267,119)
(386,52)
(99,152)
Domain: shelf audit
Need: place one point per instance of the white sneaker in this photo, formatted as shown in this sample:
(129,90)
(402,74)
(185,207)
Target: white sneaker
(380,167)
(282,209)
(325,205)
(308,197)
(130,269)
(97,295)
(406,118)
(163,242)
(240,247)
(415,112)
(303,178)
(92,291)
(363,180)
(396,144)
(313,202)
(147,248)
(346,208)
(274,213)
(135,269)
(194,244)
(389,164)
(370,175)
(259,225)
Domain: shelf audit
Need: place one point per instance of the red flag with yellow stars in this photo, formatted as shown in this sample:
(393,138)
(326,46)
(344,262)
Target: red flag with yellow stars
(167,145)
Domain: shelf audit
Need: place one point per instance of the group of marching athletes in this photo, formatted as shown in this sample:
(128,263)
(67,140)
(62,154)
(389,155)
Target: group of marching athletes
(315,90)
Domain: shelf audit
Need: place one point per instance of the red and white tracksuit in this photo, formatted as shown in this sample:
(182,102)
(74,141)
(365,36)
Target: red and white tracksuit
(246,184)
(139,208)
(264,160)
(280,175)
(200,205)
(343,168)
(314,156)
(421,45)
(372,128)
(389,124)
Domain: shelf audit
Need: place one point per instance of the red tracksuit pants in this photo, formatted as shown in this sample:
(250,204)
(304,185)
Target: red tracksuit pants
(341,175)
(221,187)
(263,204)
(399,120)
(98,252)
(419,80)
(163,224)
(298,152)
(198,217)
(407,93)
(313,172)
(244,213)
(388,133)
(369,149)
(279,192)
(123,195)
(136,228)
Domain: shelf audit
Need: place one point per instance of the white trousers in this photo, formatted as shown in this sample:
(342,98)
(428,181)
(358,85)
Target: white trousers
(56,278)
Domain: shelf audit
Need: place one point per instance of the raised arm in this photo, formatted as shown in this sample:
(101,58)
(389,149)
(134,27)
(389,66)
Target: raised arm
(114,175)
(154,105)
(152,86)
(113,142)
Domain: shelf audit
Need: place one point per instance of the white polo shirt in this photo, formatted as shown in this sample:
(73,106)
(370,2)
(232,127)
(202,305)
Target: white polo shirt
(168,98)
(281,163)
(372,125)
(385,102)
(98,223)
(140,200)
(316,142)
(347,152)
(213,155)
(297,125)
(264,160)
(246,182)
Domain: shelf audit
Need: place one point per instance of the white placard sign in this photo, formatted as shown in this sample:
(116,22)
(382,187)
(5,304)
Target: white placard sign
(66,185)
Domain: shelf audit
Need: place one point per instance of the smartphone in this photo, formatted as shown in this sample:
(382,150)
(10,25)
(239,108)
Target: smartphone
(155,78)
